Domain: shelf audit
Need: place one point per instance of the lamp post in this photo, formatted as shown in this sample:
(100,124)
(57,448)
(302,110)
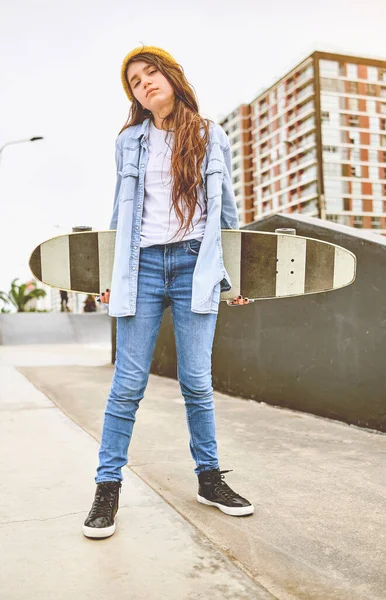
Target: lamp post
(33,139)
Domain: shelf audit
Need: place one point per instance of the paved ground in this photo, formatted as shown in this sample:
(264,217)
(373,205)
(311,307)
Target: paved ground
(46,489)
(319,490)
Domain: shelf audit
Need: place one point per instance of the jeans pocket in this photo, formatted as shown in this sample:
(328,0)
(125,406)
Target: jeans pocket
(193,247)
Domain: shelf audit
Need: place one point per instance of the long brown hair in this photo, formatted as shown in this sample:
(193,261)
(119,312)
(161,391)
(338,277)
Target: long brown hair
(189,144)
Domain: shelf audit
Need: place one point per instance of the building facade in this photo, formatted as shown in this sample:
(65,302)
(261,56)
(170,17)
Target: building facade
(315,142)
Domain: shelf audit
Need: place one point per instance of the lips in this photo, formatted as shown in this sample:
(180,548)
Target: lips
(150,91)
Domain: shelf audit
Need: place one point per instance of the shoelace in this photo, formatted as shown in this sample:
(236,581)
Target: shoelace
(104,499)
(223,489)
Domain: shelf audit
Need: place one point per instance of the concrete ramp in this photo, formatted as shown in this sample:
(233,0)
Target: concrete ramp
(54,328)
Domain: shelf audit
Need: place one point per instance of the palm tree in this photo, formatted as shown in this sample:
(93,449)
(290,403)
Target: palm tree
(20,294)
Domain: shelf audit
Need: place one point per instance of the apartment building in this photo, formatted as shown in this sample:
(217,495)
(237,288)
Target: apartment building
(317,143)
(238,126)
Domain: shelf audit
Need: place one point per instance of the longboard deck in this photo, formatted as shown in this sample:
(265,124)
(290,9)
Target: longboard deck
(261,265)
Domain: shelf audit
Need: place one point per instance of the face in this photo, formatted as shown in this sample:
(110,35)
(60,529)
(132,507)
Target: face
(143,78)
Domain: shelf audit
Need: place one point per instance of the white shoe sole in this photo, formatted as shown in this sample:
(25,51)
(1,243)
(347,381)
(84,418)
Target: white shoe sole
(99,532)
(234,512)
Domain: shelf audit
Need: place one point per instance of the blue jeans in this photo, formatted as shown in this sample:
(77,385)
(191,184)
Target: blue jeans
(164,279)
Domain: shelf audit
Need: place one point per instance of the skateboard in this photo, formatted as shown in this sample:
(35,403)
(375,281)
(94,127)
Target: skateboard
(261,265)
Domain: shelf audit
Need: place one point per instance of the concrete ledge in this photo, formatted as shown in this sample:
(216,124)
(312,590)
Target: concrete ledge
(319,353)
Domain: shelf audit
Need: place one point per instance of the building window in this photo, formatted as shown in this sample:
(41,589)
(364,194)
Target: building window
(377,190)
(329,84)
(356,170)
(331,169)
(342,69)
(377,206)
(371,89)
(357,205)
(346,204)
(375,222)
(352,87)
(353,121)
(345,187)
(325,115)
(352,70)
(344,220)
(358,221)
(356,188)
(372,73)
(330,149)
(353,137)
(353,103)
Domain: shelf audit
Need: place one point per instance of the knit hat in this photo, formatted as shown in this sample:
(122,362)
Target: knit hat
(149,49)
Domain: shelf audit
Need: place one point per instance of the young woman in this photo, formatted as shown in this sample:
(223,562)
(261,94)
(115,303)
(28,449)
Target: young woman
(172,198)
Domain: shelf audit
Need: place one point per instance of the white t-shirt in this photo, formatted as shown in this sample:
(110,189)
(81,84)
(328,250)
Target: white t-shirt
(159,224)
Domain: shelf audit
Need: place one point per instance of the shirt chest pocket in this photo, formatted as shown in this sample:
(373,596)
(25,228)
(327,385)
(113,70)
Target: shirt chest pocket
(214,175)
(129,182)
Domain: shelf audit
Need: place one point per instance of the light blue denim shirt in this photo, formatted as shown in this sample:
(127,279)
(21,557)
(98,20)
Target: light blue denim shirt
(210,277)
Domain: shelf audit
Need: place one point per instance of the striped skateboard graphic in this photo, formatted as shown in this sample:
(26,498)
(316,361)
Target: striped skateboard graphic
(261,265)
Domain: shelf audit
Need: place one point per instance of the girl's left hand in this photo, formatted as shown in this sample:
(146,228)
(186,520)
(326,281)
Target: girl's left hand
(239,301)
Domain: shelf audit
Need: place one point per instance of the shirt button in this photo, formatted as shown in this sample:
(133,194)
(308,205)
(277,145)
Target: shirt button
(138,205)
(133,268)
(143,164)
(135,247)
(137,227)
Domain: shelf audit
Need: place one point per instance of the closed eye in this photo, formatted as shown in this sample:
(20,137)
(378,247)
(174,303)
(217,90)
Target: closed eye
(150,73)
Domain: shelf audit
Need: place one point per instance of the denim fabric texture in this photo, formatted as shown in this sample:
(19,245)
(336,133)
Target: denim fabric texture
(210,277)
(165,277)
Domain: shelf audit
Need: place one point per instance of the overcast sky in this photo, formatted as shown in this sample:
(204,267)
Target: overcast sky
(60,78)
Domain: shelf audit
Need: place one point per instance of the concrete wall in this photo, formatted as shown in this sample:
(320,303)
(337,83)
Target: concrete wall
(54,328)
(321,353)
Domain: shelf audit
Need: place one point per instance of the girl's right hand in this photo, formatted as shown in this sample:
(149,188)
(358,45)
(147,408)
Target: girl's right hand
(105,297)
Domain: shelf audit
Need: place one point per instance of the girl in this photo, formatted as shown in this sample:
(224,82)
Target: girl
(173,195)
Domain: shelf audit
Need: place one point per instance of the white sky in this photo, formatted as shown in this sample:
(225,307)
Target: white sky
(60,78)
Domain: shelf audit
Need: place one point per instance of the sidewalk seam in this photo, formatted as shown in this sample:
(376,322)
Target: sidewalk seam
(78,513)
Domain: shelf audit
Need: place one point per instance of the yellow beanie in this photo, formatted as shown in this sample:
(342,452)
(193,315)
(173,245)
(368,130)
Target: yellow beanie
(150,49)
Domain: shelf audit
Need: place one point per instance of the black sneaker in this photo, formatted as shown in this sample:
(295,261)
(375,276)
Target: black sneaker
(213,491)
(100,522)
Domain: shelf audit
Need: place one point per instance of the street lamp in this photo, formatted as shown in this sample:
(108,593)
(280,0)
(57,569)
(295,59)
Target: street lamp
(33,139)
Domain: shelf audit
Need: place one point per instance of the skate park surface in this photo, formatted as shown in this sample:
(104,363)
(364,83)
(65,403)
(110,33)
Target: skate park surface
(318,486)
